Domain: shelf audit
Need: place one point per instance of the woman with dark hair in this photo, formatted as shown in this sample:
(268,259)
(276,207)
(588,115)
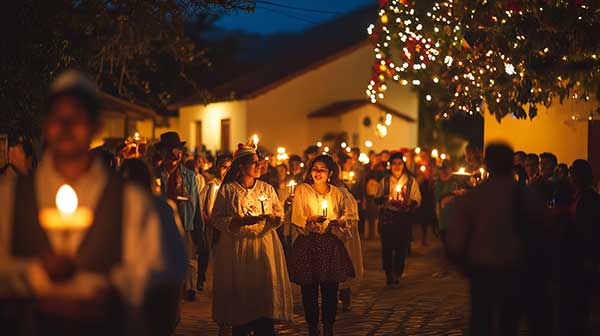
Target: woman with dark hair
(398,196)
(322,217)
(251,285)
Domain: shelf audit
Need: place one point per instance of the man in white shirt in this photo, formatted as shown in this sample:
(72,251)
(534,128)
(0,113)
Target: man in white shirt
(117,260)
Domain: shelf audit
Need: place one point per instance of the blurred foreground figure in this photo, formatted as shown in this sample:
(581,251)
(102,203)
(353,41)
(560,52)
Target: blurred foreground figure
(580,253)
(497,232)
(63,274)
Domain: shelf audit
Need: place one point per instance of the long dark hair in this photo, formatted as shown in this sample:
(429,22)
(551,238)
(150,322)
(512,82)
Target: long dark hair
(236,169)
(329,163)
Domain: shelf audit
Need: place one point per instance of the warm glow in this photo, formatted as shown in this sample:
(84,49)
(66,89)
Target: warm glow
(461,170)
(280,150)
(326,149)
(398,188)
(344,145)
(255,139)
(351,174)
(404,158)
(423,168)
(324,205)
(348,149)
(481,171)
(319,144)
(434,153)
(262,198)
(292,183)
(66,200)
(417,150)
(443,156)
(368,143)
(136,136)
(364,158)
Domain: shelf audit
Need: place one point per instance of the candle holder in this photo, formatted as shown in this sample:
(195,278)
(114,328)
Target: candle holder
(61,223)
(292,185)
(262,199)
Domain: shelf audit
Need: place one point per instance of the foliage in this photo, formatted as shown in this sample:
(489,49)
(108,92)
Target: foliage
(137,49)
(508,55)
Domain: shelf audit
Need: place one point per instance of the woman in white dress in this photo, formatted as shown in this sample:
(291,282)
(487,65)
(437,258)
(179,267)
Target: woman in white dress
(251,284)
(319,260)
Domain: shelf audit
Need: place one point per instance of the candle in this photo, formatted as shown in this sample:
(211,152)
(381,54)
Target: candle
(351,174)
(324,208)
(462,172)
(292,186)
(255,140)
(435,153)
(65,219)
(398,190)
(262,199)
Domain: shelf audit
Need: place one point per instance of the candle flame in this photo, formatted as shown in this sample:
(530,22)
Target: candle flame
(461,170)
(255,139)
(324,205)
(423,168)
(262,198)
(434,153)
(398,188)
(417,150)
(351,174)
(292,183)
(481,171)
(66,200)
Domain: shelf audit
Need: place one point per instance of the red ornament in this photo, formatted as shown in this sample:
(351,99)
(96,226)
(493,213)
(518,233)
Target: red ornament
(383,3)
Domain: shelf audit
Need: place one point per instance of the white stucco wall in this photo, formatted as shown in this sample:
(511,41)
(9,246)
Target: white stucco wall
(280,114)
(211,116)
(553,130)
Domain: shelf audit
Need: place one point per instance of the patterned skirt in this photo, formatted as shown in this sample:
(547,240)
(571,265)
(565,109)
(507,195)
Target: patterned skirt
(319,258)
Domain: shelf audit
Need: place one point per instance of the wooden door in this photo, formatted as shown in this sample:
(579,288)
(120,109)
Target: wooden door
(225,134)
(198,136)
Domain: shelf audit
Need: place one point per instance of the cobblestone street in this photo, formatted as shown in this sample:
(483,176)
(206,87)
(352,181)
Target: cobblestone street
(431,299)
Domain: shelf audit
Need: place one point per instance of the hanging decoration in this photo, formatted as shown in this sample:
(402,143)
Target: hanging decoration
(509,56)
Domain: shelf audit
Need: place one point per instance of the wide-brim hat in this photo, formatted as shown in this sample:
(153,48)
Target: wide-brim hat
(170,140)
(243,150)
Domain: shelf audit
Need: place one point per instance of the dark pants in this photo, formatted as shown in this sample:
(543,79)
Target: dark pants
(495,302)
(261,327)
(575,296)
(395,242)
(310,301)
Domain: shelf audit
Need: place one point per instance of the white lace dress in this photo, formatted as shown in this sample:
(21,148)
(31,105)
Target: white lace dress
(250,274)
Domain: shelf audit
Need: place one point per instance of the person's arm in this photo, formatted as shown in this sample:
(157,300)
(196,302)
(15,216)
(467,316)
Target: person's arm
(153,251)
(415,193)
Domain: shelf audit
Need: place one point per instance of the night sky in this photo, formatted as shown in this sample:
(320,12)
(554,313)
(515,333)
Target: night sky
(269,19)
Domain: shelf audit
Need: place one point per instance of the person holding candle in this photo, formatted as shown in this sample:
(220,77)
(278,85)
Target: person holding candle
(322,218)
(353,244)
(179,184)
(398,196)
(251,285)
(113,261)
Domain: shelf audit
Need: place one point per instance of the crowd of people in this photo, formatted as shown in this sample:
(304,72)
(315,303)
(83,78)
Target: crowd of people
(517,224)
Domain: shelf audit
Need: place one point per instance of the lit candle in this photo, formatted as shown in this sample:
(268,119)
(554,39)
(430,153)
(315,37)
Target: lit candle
(262,199)
(66,218)
(351,175)
(255,140)
(398,190)
(462,172)
(292,186)
(423,168)
(435,153)
(324,208)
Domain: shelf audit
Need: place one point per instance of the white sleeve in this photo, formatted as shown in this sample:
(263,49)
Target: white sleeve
(147,255)
(415,192)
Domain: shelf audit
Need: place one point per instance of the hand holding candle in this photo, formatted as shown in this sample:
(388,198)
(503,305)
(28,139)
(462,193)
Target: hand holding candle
(60,223)
(292,185)
(262,199)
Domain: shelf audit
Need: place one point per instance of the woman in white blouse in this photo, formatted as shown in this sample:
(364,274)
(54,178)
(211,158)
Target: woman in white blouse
(251,285)
(318,258)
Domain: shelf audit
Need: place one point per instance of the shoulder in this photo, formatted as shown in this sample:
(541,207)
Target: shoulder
(187,173)
(134,194)
(263,186)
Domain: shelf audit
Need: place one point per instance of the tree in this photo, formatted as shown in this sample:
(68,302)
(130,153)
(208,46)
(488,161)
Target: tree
(135,49)
(508,56)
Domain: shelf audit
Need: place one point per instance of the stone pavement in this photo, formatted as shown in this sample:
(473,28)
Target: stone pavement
(431,299)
